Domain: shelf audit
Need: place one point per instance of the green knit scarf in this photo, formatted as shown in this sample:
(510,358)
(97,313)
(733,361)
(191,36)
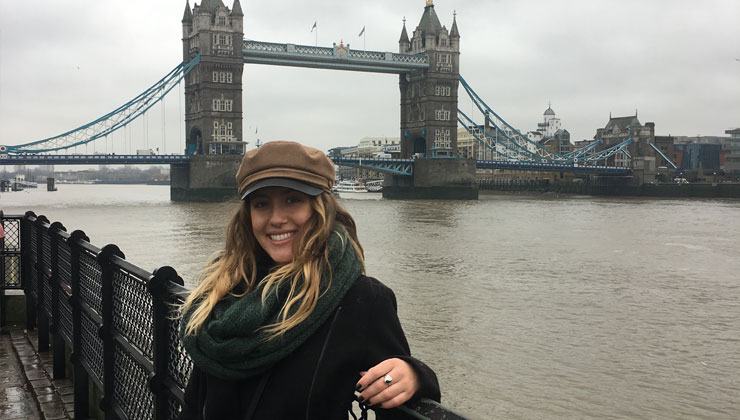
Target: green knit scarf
(229,345)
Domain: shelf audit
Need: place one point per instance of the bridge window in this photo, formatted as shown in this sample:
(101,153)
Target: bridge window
(444,62)
(222,104)
(222,20)
(222,77)
(441,115)
(222,44)
(194,76)
(223,131)
(442,90)
(442,136)
(221,39)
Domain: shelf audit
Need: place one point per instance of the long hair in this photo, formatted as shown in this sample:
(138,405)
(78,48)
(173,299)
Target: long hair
(238,263)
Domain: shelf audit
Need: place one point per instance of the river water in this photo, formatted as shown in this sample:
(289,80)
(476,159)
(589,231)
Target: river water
(527,306)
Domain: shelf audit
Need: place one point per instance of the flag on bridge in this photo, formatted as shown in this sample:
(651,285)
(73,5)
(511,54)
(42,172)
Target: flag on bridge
(362,31)
(314,25)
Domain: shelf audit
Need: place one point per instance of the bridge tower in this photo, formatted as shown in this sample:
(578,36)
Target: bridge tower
(213,100)
(429,116)
(213,89)
(429,96)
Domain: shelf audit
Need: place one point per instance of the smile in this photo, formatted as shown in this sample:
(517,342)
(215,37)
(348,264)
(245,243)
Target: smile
(281,236)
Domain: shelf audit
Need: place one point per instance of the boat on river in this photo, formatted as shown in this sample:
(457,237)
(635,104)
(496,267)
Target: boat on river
(375,185)
(351,186)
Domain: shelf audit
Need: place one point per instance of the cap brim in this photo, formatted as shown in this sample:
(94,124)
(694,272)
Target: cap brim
(283,182)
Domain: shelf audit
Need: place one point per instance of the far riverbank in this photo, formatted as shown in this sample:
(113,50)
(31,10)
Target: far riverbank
(699,190)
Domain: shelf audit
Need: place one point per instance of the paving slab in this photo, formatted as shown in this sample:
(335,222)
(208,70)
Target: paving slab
(27,391)
(16,399)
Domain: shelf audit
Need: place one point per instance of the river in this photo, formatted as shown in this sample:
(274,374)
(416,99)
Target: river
(527,306)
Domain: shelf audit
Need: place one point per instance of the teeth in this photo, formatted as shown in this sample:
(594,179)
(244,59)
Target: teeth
(282,236)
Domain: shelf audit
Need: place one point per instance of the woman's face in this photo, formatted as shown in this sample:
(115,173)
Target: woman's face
(277,215)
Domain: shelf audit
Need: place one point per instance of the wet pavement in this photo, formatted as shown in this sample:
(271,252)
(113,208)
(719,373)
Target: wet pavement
(27,390)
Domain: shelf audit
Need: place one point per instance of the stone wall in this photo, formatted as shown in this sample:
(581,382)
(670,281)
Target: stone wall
(207,178)
(443,178)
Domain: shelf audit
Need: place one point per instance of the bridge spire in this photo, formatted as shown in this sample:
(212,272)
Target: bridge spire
(453,31)
(187,17)
(236,10)
(404,43)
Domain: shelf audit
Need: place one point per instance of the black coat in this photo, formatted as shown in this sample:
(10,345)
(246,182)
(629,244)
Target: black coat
(363,331)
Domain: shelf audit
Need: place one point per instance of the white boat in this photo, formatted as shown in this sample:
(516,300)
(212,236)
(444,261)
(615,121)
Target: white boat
(351,186)
(375,185)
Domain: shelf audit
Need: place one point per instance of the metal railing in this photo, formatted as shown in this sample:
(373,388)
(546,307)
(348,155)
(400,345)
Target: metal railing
(118,321)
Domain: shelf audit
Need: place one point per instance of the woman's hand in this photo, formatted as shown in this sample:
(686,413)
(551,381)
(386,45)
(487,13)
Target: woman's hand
(388,384)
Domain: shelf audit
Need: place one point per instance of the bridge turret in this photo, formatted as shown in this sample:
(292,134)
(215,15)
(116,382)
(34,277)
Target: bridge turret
(429,97)
(404,45)
(237,16)
(187,20)
(454,34)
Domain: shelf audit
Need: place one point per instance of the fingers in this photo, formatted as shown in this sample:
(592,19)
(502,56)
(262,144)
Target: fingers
(374,391)
(375,373)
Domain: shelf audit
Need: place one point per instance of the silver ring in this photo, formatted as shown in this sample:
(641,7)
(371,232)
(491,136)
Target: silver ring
(387,379)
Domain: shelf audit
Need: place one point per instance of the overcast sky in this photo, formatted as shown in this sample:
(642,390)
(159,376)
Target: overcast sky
(65,63)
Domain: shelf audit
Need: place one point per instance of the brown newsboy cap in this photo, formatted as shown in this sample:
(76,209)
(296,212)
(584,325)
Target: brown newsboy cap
(285,164)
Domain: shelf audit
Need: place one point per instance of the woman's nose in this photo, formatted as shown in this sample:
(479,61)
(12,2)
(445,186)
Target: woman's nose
(278,216)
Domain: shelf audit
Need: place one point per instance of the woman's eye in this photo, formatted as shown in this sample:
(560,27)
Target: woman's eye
(293,200)
(259,204)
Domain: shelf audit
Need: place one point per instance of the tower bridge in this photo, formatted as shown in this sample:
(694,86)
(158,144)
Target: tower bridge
(427,65)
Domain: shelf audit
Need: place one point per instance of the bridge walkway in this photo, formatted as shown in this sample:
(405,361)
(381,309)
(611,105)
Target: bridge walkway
(26,388)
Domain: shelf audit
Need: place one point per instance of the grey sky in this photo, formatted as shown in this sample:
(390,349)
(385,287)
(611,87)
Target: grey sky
(63,64)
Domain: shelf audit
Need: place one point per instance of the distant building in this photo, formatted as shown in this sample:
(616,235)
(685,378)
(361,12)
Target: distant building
(372,146)
(698,155)
(562,139)
(732,157)
(558,143)
(619,129)
(469,147)
(344,172)
(369,147)
(550,123)
(582,143)
(666,145)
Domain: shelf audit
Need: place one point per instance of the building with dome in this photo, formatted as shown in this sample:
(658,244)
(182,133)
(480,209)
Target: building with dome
(550,123)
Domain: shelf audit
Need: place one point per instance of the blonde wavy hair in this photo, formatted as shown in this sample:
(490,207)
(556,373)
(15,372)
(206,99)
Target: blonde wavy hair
(238,263)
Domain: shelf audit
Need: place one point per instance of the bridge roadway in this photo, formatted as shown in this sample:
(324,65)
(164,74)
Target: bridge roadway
(403,167)
(406,166)
(107,159)
(339,57)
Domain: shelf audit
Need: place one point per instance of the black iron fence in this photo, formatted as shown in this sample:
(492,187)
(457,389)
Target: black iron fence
(117,321)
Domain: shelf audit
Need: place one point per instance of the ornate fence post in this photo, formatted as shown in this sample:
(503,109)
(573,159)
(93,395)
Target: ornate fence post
(27,229)
(3,280)
(105,333)
(60,362)
(81,379)
(163,301)
(42,318)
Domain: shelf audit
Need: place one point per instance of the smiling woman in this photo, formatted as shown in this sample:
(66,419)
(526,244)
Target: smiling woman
(284,323)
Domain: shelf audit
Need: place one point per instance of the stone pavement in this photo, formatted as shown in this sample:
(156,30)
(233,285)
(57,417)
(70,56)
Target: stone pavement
(27,390)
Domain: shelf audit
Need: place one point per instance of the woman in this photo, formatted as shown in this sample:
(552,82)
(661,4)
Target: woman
(285,325)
